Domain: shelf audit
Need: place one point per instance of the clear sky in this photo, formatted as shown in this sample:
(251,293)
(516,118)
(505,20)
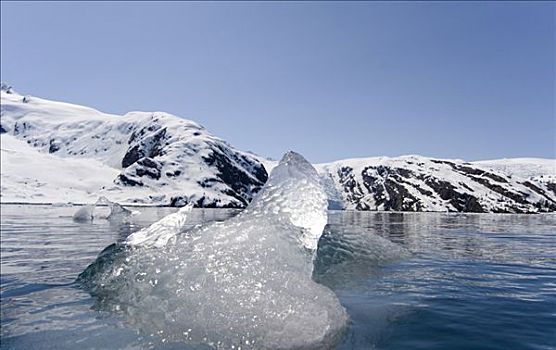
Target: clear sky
(331,80)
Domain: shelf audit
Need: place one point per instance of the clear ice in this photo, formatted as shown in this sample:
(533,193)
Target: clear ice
(242,283)
(117,211)
(87,212)
(158,234)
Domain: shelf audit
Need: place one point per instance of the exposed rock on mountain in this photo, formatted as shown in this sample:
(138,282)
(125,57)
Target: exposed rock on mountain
(161,159)
(415,183)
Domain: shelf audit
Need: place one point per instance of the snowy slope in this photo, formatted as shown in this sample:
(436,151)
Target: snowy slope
(35,177)
(521,167)
(534,169)
(149,158)
(415,183)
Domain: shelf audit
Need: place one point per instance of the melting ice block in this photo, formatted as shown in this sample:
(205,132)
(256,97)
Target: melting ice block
(242,282)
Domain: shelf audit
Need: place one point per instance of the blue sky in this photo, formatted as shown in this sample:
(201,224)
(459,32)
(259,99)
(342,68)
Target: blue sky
(328,79)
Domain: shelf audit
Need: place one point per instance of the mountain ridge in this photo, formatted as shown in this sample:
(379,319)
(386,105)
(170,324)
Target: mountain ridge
(155,158)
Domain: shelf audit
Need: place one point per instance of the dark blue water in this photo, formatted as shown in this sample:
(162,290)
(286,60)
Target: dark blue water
(471,281)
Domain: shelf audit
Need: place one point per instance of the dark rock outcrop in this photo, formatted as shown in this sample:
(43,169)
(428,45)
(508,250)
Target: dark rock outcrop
(142,145)
(243,176)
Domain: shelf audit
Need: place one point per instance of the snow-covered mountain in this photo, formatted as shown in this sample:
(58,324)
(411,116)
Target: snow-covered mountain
(59,152)
(74,153)
(415,183)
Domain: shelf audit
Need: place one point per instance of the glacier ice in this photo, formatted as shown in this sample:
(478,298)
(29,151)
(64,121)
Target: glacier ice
(87,212)
(117,211)
(294,191)
(245,282)
(159,233)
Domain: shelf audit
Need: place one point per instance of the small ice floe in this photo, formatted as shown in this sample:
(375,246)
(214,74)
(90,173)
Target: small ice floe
(117,211)
(87,212)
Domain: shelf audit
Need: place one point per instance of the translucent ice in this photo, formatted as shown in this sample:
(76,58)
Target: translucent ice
(117,211)
(87,212)
(294,191)
(245,282)
(159,233)
(349,256)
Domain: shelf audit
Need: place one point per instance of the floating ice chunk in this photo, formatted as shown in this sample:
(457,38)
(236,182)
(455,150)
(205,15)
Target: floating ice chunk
(246,281)
(87,212)
(117,211)
(84,214)
(159,233)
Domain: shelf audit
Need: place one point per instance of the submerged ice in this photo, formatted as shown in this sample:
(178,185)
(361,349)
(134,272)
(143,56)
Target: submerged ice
(245,282)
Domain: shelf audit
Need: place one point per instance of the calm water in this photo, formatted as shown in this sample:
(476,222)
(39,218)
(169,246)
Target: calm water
(472,281)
